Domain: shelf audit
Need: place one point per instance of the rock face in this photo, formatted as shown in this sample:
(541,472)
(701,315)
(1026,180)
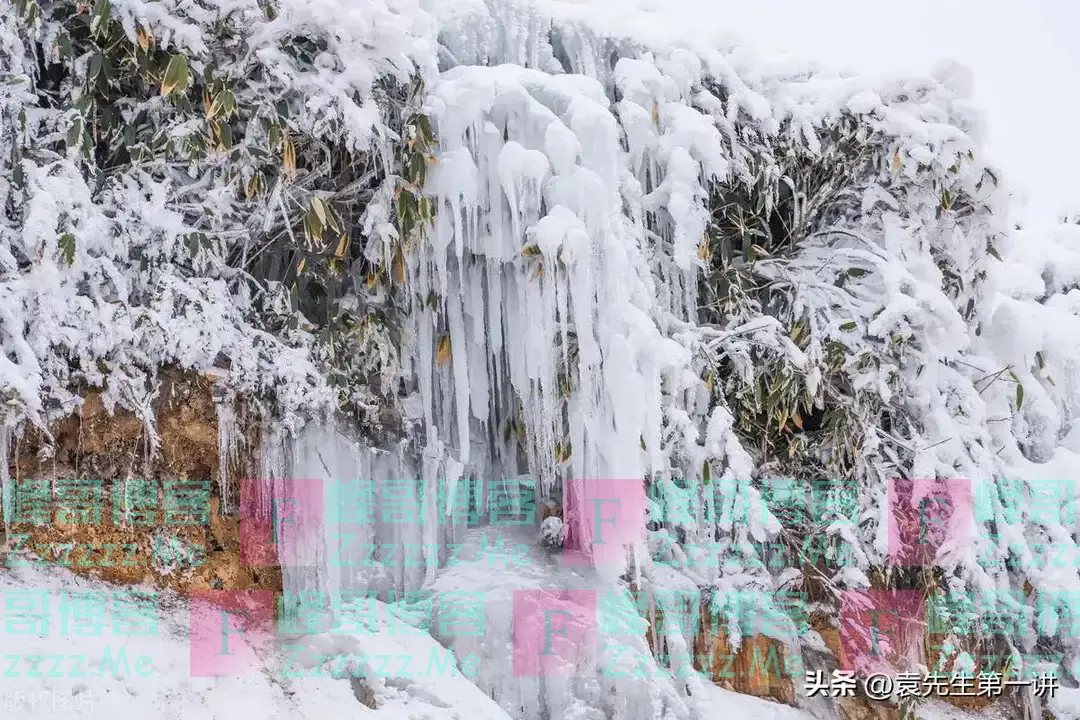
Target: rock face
(759,666)
(90,499)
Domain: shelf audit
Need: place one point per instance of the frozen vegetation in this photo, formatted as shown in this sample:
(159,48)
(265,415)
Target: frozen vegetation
(547,240)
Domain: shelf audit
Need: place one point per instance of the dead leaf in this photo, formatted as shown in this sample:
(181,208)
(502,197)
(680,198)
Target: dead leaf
(144,37)
(442,356)
(342,247)
(399,268)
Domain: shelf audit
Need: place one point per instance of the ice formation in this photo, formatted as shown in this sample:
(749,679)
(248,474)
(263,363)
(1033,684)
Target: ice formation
(554,328)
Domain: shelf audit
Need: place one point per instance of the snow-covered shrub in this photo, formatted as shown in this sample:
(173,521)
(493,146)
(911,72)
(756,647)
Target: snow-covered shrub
(196,185)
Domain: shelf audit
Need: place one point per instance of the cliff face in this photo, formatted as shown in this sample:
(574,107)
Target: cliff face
(97,499)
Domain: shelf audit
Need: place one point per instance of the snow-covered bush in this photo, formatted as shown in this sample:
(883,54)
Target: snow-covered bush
(196,184)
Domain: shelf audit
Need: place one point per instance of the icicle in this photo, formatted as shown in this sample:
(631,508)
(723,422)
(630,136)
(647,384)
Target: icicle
(229,438)
(6,494)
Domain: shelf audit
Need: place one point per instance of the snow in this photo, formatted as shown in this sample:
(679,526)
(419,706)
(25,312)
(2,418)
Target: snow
(102,674)
(554,332)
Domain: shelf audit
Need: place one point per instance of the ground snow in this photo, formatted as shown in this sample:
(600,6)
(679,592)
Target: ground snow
(169,692)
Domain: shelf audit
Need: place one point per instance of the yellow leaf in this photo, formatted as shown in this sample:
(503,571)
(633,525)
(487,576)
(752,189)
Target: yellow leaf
(288,158)
(797,419)
(703,250)
(431,160)
(320,210)
(144,37)
(656,113)
(442,356)
(300,266)
(253,186)
(782,419)
(896,161)
(343,246)
(399,268)
(372,280)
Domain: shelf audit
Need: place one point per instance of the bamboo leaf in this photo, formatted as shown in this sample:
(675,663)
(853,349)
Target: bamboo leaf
(67,248)
(75,132)
(319,208)
(442,356)
(288,158)
(100,18)
(176,75)
(1019,396)
(398,268)
(93,69)
(342,246)
(144,37)
(224,104)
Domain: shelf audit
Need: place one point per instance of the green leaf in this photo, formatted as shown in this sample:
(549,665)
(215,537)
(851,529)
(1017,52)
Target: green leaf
(97,62)
(74,133)
(176,75)
(994,253)
(225,136)
(320,210)
(224,104)
(848,326)
(101,15)
(67,248)
(1019,395)
(855,272)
